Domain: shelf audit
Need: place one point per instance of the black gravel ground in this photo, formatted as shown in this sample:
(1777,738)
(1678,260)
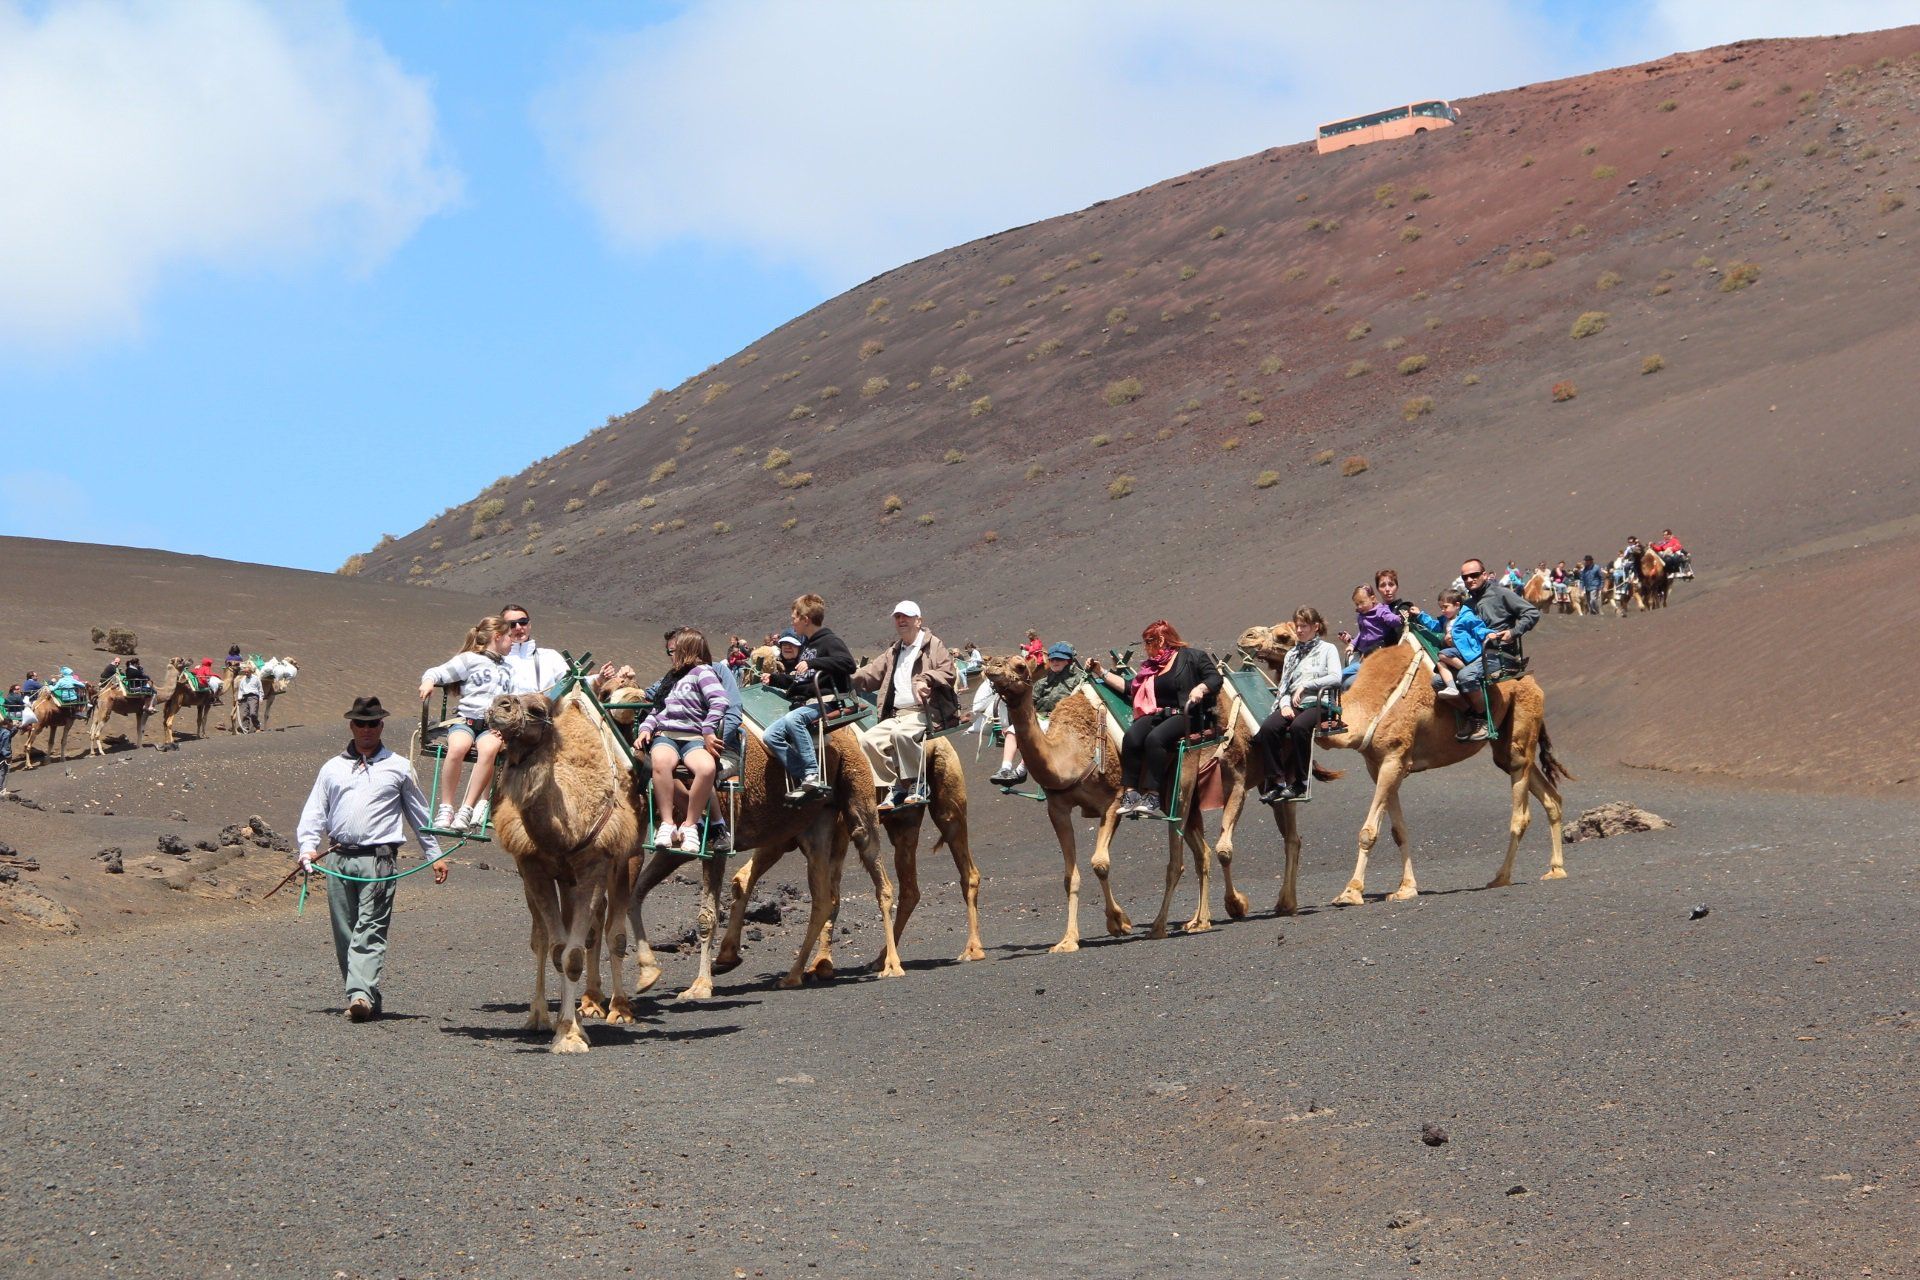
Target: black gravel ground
(1624,1090)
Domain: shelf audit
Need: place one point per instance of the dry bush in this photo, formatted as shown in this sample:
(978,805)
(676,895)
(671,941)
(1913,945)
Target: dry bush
(352,565)
(1588,150)
(1102,440)
(1432,322)
(925,518)
(1359,330)
(1564,391)
(661,470)
(789,523)
(1353,466)
(1668,105)
(1653,364)
(720,527)
(1607,280)
(1322,458)
(1540,259)
(1006,280)
(599,487)
(679,419)
(796,480)
(1738,276)
(1410,234)
(714,391)
(1358,369)
(776,459)
(1659,289)
(490,509)
(1471,380)
(871,348)
(573,504)
(1293,273)
(874,386)
(1891,202)
(1394,343)
(984,405)
(1266,480)
(1048,347)
(960,381)
(828,393)
(1333,280)
(878,305)
(1811,149)
(1412,365)
(1121,487)
(1035,471)
(924,305)
(1271,365)
(1417,406)
(1217,233)
(1255,418)
(1738,161)
(798,412)
(1230,443)
(1125,391)
(952,456)
(1526,162)
(892,504)
(1703,263)
(1589,323)
(649,502)
(1189,271)
(676,524)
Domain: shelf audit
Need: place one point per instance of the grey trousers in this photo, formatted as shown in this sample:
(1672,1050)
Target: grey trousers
(361,915)
(895,747)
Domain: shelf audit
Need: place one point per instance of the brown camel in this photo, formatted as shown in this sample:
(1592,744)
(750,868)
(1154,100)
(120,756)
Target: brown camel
(114,700)
(1395,721)
(55,719)
(1075,760)
(175,691)
(565,809)
(1538,590)
(1653,581)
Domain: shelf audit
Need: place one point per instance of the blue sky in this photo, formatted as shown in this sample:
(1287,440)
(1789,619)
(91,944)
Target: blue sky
(293,277)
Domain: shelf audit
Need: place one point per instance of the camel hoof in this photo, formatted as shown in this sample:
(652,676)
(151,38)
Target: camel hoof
(1555,873)
(788,981)
(822,970)
(1286,907)
(1499,882)
(1197,925)
(1404,892)
(698,991)
(1119,927)
(726,962)
(974,951)
(538,1020)
(892,969)
(1237,905)
(1158,931)
(569,1039)
(648,975)
(620,1012)
(1063,946)
(1349,897)
(593,1005)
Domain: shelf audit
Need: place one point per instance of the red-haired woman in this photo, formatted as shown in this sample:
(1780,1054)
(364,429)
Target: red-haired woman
(1172,681)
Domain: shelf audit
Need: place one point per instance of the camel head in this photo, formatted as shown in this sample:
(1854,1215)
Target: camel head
(1012,677)
(1269,644)
(625,716)
(524,722)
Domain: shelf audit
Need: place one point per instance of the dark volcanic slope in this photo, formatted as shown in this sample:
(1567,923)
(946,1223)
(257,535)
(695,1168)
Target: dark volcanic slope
(1743,214)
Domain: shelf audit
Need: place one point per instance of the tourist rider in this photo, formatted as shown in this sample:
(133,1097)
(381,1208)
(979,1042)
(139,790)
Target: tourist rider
(1673,555)
(727,745)
(1462,661)
(1561,579)
(1506,612)
(357,808)
(1310,678)
(914,677)
(10,709)
(481,671)
(533,669)
(1167,691)
(688,705)
(823,666)
(1592,578)
(1052,687)
(1386,585)
(31,685)
(1378,625)
(69,688)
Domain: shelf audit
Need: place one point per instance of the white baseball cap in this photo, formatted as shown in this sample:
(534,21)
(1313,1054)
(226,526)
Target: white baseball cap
(907,607)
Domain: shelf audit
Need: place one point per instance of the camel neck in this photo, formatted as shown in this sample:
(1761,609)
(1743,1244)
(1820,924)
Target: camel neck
(1040,749)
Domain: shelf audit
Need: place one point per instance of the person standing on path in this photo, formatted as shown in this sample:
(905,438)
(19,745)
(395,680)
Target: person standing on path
(358,805)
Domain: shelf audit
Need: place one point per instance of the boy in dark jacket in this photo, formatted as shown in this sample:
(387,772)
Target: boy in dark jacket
(825,666)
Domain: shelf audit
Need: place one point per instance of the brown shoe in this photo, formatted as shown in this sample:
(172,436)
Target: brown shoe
(359,1009)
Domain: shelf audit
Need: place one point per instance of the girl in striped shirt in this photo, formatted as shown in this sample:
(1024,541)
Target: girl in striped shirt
(688,705)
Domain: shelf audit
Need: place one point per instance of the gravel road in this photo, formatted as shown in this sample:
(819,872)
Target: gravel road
(1624,1089)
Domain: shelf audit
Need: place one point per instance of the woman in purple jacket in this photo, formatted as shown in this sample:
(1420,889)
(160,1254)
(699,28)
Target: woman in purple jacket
(688,713)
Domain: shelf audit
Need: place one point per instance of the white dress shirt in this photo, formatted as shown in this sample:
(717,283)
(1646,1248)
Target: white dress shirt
(362,801)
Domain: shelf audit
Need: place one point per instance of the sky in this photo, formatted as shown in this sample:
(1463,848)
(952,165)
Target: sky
(278,278)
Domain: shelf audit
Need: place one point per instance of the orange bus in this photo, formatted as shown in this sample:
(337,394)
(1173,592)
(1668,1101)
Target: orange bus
(1395,122)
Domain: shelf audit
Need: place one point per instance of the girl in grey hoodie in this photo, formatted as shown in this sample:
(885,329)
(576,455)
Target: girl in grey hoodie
(481,672)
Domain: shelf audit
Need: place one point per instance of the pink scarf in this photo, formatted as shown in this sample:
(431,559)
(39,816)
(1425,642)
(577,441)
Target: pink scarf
(1144,703)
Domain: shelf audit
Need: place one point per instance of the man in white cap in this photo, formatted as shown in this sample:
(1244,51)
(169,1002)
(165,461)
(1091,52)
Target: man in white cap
(914,677)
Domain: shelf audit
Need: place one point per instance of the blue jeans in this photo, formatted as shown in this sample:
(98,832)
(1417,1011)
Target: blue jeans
(1348,672)
(790,739)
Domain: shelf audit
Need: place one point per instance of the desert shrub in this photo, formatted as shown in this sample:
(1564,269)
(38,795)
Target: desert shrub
(1564,391)
(828,393)
(1358,369)
(980,407)
(1050,346)
(1526,162)
(952,456)
(1271,365)
(1359,330)
(871,348)
(925,518)
(874,386)
(352,566)
(573,504)
(526,508)
(1394,343)
(1125,391)
(1762,183)
(892,503)
(599,487)
(1410,234)
(1738,276)
(661,470)
(1230,443)
(1120,488)
(1733,84)
(1668,105)
(1035,471)
(1471,380)
(678,419)
(878,305)
(738,451)
(1653,364)
(1540,259)
(1588,150)
(1739,161)
(1891,202)
(1589,323)
(796,480)
(1217,233)
(1607,280)
(960,381)
(1266,480)
(658,526)
(676,524)
(800,411)
(649,502)
(1102,440)
(1578,231)
(720,527)
(1412,365)
(1333,280)
(1323,457)
(1417,406)
(1353,466)
(925,304)
(1293,273)
(1255,418)
(1189,271)
(1006,280)
(490,509)
(714,391)
(1811,149)
(1703,263)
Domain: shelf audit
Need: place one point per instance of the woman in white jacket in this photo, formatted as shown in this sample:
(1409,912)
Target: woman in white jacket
(481,672)
(1309,688)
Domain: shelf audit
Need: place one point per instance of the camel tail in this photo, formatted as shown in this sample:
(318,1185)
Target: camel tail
(1549,765)
(1324,774)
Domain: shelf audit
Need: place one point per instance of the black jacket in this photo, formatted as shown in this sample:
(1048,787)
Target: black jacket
(827,657)
(1190,667)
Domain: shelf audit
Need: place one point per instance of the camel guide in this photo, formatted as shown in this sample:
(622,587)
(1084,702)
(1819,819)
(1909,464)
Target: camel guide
(358,805)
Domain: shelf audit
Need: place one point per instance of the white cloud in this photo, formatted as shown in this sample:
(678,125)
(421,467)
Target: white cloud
(151,135)
(1700,24)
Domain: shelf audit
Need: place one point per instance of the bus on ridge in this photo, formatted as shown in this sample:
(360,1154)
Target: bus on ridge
(1395,122)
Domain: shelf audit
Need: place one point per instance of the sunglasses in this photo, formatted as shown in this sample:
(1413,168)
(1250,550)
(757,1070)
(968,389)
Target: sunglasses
(1471,576)
(519,622)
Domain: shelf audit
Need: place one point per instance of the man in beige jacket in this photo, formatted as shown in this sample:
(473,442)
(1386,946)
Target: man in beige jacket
(914,677)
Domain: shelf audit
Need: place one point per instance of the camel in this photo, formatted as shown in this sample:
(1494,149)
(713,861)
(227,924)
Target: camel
(1395,721)
(276,678)
(1075,760)
(566,810)
(114,700)
(1653,581)
(1538,591)
(175,692)
(55,719)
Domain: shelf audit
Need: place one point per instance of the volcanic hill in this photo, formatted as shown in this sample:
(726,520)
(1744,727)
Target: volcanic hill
(1669,294)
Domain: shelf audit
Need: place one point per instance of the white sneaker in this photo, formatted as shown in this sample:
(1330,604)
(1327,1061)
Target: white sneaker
(443,817)
(481,813)
(666,837)
(462,818)
(689,839)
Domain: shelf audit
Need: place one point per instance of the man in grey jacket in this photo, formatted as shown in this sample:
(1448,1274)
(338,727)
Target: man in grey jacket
(1505,611)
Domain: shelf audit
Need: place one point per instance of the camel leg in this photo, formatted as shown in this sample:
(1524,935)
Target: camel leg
(646,966)
(1060,814)
(1195,838)
(962,851)
(1516,825)
(1237,903)
(593,997)
(1408,888)
(1118,923)
(1289,821)
(743,881)
(1386,781)
(869,852)
(822,887)
(1549,796)
(539,894)
(713,874)
(582,904)
(614,927)
(906,866)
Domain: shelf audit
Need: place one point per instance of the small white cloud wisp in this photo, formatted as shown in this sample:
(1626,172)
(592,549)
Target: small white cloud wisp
(142,137)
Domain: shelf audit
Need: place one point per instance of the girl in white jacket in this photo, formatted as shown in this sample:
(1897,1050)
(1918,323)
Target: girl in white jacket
(481,672)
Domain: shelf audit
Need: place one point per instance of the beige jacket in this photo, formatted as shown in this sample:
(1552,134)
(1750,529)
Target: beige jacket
(933,678)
